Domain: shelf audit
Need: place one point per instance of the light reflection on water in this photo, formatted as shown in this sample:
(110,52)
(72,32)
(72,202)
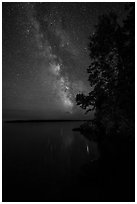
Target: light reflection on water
(45,152)
(55,143)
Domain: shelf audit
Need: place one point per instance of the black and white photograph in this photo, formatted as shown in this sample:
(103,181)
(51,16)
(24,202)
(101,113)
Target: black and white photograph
(68,101)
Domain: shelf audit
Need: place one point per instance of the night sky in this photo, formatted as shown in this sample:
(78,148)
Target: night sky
(45,57)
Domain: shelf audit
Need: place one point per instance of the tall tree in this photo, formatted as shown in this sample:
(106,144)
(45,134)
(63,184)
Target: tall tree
(111,73)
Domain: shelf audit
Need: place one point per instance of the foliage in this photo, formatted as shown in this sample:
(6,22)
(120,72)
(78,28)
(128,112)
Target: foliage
(112,74)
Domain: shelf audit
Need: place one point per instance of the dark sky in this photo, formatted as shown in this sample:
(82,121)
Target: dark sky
(45,57)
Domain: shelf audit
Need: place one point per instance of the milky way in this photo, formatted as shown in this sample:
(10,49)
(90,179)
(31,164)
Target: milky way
(45,55)
(62,85)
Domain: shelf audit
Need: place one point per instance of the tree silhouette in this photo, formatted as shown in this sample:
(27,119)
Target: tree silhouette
(111,74)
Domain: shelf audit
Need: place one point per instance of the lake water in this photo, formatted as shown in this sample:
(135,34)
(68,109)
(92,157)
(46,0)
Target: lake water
(44,161)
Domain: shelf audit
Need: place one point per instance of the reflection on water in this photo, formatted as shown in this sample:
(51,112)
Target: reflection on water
(40,154)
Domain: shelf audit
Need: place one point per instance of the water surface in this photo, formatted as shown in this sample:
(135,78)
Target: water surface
(44,161)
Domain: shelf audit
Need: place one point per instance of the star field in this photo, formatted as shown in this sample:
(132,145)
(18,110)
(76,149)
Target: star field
(45,56)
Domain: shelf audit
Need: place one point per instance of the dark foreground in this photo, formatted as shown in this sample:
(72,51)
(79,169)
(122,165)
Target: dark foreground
(50,162)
